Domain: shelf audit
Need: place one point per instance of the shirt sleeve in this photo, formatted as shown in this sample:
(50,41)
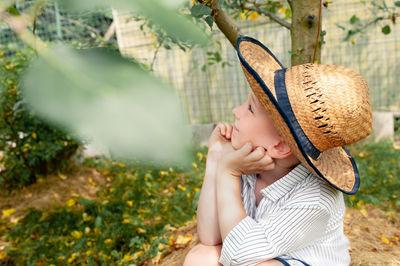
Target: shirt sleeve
(251,242)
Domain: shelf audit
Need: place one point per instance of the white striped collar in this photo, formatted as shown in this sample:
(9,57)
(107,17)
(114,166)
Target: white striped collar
(281,187)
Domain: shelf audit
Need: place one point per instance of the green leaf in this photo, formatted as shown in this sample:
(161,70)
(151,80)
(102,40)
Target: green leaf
(397,3)
(210,21)
(13,11)
(199,11)
(98,221)
(100,96)
(288,13)
(165,16)
(86,202)
(386,30)
(354,19)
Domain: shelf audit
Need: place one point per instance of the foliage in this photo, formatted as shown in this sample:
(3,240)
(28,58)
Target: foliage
(133,216)
(379,14)
(127,224)
(379,167)
(32,148)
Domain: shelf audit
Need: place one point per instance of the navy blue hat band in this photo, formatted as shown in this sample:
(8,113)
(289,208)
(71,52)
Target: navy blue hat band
(283,100)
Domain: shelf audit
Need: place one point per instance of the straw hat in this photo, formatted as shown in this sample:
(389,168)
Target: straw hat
(317,109)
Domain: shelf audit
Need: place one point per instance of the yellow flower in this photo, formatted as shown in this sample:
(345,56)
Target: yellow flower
(282,10)
(352,197)
(88,253)
(72,258)
(108,241)
(243,15)
(127,258)
(140,230)
(76,234)
(87,230)
(163,173)
(188,195)
(130,203)
(138,254)
(385,240)
(8,212)
(200,155)
(182,187)
(253,15)
(70,203)
(364,212)
(196,189)
(121,165)
(89,244)
(2,255)
(34,135)
(171,170)
(126,221)
(194,165)
(352,41)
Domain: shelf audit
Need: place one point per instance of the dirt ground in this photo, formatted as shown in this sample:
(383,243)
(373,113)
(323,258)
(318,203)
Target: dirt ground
(374,234)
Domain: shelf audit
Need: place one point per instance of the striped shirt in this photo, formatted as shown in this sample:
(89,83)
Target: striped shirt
(300,216)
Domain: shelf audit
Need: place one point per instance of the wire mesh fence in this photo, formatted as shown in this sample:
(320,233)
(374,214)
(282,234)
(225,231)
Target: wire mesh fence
(209,81)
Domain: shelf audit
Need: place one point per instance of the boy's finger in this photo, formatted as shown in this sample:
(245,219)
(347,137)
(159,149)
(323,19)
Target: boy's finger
(245,149)
(229,129)
(222,129)
(257,154)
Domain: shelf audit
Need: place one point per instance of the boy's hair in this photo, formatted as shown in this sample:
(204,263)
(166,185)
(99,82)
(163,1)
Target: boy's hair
(316,108)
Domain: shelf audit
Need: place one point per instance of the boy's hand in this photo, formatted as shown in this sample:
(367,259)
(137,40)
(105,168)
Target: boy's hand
(246,161)
(220,140)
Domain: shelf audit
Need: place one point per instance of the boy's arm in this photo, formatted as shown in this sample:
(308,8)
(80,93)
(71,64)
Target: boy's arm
(207,218)
(246,241)
(229,202)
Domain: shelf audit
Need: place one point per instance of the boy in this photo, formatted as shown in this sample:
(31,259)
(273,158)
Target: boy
(272,191)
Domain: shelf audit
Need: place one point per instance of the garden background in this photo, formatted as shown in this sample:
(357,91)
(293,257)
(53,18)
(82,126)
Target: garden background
(63,203)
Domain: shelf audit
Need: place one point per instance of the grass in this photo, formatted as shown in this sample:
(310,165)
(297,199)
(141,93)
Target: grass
(130,220)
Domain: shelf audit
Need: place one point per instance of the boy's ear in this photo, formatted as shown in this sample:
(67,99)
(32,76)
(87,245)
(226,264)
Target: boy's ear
(279,150)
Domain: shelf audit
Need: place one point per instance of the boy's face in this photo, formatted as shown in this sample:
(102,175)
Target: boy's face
(252,124)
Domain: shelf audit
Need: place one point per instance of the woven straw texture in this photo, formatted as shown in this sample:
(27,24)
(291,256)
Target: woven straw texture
(331,104)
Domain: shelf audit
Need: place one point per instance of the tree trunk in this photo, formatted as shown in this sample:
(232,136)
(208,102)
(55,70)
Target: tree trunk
(304,31)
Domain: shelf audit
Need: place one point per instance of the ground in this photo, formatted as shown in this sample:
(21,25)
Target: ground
(374,234)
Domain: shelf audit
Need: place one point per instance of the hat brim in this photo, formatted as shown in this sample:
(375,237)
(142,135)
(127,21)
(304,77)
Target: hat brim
(336,166)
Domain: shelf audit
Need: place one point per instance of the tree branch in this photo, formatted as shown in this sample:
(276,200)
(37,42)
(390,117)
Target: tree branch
(225,23)
(272,16)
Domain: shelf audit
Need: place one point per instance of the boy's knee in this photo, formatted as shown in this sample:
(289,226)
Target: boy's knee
(203,255)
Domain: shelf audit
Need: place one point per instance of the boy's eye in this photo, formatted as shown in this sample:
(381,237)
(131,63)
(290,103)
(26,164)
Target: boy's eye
(250,109)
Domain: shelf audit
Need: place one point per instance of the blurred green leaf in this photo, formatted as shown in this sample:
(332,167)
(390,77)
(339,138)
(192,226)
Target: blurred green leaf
(210,21)
(397,3)
(13,11)
(105,98)
(166,17)
(386,29)
(354,19)
(200,10)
